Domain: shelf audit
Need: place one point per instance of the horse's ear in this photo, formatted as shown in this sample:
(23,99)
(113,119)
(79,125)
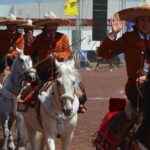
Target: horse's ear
(20,51)
(72,62)
(57,63)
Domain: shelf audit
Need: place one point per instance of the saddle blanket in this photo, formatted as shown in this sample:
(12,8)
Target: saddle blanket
(113,126)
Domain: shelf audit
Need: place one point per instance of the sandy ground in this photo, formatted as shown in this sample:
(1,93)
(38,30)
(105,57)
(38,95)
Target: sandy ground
(99,87)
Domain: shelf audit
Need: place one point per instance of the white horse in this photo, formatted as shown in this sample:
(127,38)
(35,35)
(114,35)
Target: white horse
(57,115)
(21,70)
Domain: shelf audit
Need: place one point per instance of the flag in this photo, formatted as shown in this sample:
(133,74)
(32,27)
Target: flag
(71,8)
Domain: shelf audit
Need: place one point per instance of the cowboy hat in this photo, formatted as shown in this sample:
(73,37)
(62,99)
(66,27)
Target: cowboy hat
(28,25)
(130,14)
(12,20)
(50,14)
(50,19)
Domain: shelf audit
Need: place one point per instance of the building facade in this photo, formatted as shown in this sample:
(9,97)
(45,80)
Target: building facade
(38,8)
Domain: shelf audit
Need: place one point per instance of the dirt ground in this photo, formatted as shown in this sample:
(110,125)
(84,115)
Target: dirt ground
(99,87)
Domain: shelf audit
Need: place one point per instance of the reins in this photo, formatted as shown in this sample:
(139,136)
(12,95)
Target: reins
(50,55)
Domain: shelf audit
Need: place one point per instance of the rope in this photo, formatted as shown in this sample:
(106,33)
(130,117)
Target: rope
(43,60)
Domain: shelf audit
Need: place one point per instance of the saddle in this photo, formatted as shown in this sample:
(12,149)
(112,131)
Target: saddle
(114,127)
(45,70)
(29,94)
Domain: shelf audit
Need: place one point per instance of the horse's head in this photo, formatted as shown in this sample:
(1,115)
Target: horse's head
(65,85)
(23,66)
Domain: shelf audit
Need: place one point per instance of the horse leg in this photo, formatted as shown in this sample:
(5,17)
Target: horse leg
(5,133)
(11,142)
(21,131)
(11,139)
(35,138)
(66,140)
(49,137)
(141,146)
(50,143)
(8,138)
(49,129)
(31,136)
(39,141)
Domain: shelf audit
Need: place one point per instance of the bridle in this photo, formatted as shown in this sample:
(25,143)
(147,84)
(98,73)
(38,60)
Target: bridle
(61,97)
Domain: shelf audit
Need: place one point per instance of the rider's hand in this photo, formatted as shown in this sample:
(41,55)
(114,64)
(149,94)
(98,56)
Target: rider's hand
(55,54)
(141,79)
(11,49)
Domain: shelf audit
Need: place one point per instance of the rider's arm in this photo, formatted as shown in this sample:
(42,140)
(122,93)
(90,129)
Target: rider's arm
(20,42)
(109,46)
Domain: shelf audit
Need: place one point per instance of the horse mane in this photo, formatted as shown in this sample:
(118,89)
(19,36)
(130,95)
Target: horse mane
(68,70)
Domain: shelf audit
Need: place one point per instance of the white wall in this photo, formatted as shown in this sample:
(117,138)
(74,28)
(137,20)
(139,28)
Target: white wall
(116,5)
(86,37)
(87,43)
(113,7)
(57,6)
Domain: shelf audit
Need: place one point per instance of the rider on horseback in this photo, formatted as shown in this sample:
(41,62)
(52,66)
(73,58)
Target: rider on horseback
(28,36)
(10,38)
(136,47)
(17,42)
(50,42)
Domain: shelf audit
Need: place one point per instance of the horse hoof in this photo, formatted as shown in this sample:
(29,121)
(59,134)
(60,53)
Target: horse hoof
(21,148)
(12,146)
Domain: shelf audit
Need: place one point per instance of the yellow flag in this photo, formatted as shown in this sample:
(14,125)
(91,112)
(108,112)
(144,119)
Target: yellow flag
(71,8)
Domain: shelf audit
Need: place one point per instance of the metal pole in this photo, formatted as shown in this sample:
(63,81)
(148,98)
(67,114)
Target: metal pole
(39,7)
(78,36)
(123,4)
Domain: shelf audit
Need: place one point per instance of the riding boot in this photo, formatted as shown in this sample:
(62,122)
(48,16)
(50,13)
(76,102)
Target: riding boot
(82,99)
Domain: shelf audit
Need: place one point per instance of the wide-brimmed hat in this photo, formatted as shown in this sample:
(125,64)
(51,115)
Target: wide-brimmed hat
(51,22)
(50,19)
(12,20)
(130,14)
(28,25)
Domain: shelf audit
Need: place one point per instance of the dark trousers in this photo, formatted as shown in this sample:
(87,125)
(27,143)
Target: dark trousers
(83,98)
(134,96)
(143,133)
